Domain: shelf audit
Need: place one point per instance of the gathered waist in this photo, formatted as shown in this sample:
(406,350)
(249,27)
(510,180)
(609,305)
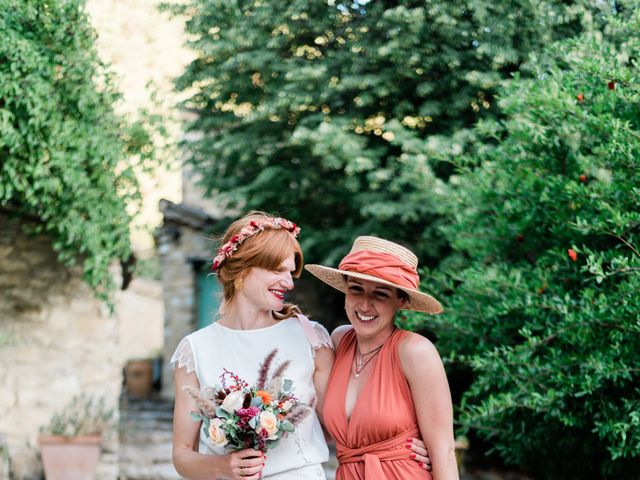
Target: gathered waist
(371,455)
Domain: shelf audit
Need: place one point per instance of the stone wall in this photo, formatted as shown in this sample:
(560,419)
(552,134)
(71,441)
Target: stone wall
(57,341)
(140,316)
(180,242)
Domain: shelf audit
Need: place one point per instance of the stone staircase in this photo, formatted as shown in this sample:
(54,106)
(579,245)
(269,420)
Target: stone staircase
(145,440)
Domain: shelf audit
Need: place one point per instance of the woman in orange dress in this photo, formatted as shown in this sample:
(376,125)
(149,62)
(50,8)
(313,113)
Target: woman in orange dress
(386,384)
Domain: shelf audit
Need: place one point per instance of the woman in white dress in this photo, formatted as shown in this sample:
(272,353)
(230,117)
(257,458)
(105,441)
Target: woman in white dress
(256,265)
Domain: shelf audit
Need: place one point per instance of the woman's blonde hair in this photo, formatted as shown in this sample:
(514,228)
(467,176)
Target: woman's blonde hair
(266,249)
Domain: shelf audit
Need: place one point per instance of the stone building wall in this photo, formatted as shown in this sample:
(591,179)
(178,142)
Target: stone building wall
(180,243)
(57,341)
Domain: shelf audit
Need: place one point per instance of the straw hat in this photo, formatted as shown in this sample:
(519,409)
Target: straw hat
(381,261)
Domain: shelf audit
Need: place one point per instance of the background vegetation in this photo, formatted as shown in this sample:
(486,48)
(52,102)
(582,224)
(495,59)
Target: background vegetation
(543,279)
(338,113)
(62,147)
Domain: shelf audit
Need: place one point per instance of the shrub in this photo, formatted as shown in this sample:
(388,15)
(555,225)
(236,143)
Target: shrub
(541,292)
(64,153)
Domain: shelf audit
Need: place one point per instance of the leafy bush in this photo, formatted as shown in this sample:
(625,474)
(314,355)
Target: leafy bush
(62,147)
(335,113)
(542,290)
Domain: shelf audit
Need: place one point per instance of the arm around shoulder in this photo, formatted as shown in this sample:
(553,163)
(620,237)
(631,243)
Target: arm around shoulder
(324,358)
(427,379)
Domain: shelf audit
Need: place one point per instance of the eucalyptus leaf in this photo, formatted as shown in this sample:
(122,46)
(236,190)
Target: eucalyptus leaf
(287,386)
(286,426)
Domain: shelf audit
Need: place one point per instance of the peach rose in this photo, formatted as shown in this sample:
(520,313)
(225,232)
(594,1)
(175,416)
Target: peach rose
(216,434)
(269,423)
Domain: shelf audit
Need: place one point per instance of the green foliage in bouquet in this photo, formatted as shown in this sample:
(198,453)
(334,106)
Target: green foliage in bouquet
(84,415)
(65,156)
(542,292)
(335,114)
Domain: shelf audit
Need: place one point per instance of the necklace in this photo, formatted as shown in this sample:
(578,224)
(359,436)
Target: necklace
(360,363)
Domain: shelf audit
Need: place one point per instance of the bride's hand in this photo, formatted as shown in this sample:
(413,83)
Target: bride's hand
(419,452)
(246,464)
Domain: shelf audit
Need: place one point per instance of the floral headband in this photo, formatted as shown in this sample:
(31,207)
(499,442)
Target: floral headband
(253,227)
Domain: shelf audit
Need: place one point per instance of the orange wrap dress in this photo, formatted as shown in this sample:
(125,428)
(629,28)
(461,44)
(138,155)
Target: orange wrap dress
(371,445)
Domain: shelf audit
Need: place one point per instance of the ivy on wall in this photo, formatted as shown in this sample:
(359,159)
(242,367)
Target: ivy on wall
(66,158)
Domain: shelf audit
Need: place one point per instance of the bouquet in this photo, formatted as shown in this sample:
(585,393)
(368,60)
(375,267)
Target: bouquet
(237,416)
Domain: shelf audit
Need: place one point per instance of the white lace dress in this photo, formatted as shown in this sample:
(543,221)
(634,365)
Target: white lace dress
(210,350)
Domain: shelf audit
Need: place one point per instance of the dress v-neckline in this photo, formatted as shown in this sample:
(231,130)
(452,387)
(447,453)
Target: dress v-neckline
(348,418)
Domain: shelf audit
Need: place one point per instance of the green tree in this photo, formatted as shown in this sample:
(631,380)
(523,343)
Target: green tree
(336,113)
(62,147)
(542,290)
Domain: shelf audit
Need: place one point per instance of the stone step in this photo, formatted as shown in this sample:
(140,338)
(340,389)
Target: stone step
(144,437)
(145,424)
(145,414)
(160,471)
(134,405)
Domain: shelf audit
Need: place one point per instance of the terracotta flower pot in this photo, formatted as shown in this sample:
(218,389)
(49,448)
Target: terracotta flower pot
(70,458)
(138,378)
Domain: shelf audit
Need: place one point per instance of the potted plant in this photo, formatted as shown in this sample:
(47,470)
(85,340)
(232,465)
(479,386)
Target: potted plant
(70,445)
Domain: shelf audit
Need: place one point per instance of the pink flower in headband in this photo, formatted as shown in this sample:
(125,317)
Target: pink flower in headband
(254,226)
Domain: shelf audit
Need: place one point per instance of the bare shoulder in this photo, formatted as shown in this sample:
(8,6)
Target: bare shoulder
(416,351)
(338,333)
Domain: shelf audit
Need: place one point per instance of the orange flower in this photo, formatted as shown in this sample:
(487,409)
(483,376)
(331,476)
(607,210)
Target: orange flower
(572,254)
(266,397)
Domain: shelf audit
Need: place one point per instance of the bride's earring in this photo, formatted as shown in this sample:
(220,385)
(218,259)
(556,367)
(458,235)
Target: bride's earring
(238,283)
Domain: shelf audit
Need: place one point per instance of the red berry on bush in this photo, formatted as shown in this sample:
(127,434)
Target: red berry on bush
(572,254)
(580,97)
(611,85)
(520,237)
(583,178)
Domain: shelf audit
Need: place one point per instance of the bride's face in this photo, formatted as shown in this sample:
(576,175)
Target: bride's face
(266,288)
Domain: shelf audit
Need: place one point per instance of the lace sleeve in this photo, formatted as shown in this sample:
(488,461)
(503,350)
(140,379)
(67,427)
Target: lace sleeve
(183,357)
(324,339)
(316,334)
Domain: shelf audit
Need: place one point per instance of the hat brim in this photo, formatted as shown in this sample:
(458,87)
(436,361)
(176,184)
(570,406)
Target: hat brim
(418,301)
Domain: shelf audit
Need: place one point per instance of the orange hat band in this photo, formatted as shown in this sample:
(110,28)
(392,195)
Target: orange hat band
(381,265)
